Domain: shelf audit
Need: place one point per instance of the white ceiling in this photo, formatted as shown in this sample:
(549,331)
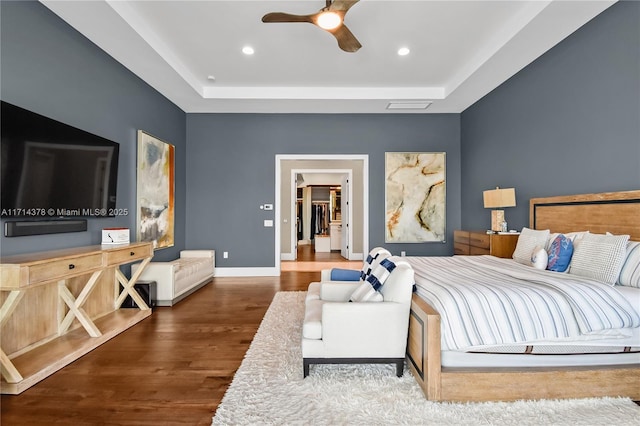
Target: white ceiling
(460,50)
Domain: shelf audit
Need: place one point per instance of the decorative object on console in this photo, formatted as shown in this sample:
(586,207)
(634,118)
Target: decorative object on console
(497,199)
(115,236)
(415,197)
(155,191)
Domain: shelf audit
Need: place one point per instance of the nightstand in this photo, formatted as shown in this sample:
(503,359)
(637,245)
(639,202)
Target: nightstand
(479,242)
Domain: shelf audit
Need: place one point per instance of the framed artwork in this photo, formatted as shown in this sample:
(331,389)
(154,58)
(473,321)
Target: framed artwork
(415,190)
(155,191)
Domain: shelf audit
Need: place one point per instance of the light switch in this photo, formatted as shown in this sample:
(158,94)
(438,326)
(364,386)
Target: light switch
(268,223)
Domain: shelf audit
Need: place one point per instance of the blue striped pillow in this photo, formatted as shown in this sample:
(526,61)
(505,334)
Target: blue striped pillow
(375,254)
(368,290)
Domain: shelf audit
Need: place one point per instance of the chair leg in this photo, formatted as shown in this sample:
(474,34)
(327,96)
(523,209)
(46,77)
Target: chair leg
(399,367)
(305,368)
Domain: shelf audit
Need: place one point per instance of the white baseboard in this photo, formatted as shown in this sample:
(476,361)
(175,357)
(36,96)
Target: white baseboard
(287,256)
(246,272)
(356,256)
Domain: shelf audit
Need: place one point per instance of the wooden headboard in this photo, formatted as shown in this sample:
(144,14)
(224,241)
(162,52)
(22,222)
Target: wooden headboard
(615,212)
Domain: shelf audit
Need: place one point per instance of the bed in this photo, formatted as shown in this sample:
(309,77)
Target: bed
(454,363)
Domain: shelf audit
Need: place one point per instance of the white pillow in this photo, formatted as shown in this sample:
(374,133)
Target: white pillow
(630,272)
(599,257)
(576,237)
(539,258)
(527,241)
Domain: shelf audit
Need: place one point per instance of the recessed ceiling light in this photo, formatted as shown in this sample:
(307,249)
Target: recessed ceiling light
(210,77)
(248,50)
(403,51)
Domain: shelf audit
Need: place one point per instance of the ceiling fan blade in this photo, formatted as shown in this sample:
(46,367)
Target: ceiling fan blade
(346,40)
(342,5)
(287,17)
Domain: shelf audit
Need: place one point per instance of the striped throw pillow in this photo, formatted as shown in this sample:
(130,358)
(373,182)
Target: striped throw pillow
(630,272)
(373,258)
(368,290)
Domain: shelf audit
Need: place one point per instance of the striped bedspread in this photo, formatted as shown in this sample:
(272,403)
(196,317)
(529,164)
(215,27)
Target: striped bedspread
(485,300)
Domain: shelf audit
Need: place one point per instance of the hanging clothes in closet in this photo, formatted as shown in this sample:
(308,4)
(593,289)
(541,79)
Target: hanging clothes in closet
(319,217)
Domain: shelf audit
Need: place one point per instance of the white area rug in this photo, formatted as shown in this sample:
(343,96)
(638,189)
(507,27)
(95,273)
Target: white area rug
(268,388)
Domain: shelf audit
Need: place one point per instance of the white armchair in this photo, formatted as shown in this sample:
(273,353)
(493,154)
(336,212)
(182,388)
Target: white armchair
(336,331)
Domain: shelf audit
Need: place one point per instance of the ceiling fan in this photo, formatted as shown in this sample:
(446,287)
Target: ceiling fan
(330,18)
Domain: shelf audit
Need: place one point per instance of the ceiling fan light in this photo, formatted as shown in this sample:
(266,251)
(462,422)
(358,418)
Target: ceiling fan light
(329,20)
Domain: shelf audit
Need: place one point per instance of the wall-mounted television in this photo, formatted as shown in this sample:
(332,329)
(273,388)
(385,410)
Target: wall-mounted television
(49,169)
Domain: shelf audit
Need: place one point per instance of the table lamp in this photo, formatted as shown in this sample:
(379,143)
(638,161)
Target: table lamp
(497,199)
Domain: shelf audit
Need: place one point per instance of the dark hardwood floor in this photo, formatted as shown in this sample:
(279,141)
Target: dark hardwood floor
(173,368)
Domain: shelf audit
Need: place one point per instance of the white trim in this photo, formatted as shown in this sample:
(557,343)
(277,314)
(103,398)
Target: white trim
(247,272)
(332,157)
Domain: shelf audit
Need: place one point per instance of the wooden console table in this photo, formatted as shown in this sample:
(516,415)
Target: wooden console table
(59,305)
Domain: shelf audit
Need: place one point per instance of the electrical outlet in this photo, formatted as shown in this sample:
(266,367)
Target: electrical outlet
(225,255)
(403,253)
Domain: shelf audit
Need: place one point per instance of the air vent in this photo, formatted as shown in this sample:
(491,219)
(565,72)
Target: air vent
(409,104)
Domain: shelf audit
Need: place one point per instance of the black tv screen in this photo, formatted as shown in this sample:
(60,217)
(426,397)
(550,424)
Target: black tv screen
(49,169)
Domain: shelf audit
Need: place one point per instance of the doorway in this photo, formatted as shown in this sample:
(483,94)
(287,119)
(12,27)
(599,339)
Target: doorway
(354,165)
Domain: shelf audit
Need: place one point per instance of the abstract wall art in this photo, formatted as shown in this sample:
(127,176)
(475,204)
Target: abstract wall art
(155,191)
(415,190)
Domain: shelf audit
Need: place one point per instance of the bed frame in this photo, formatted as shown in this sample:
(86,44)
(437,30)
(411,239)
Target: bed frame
(615,212)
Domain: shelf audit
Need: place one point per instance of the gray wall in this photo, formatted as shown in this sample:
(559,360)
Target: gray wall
(51,69)
(566,124)
(231,171)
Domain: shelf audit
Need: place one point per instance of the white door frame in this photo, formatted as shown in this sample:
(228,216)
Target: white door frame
(330,157)
(294,187)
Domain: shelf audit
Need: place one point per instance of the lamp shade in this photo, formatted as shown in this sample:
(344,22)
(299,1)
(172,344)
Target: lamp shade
(499,197)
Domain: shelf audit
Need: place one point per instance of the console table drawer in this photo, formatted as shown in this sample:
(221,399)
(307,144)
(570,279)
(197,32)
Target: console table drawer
(63,268)
(128,254)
